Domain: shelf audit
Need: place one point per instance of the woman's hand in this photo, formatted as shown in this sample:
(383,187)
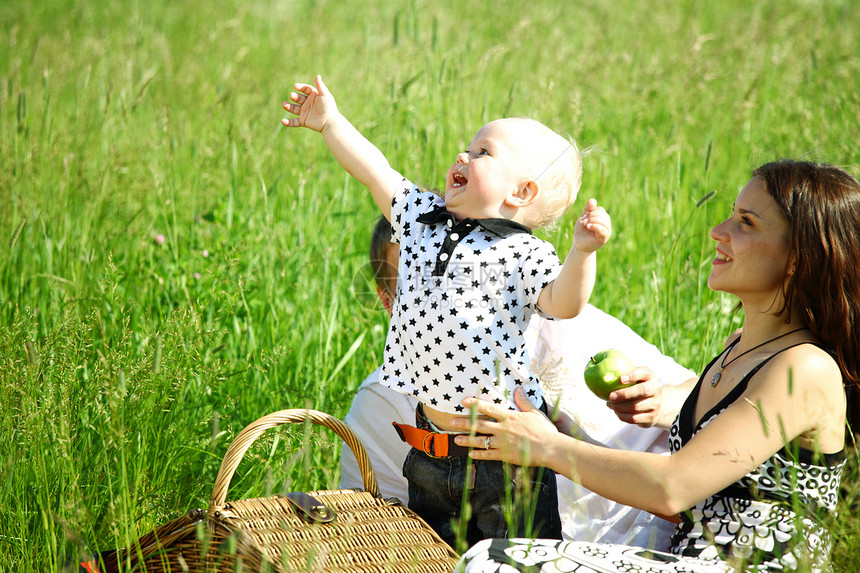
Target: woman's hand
(646,402)
(564,423)
(639,403)
(517,437)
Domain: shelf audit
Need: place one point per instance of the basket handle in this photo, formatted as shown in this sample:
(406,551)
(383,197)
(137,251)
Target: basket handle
(255,429)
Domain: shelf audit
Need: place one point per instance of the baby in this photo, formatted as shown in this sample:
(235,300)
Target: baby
(471,274)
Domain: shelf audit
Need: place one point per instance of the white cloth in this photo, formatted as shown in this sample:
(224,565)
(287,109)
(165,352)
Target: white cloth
(466,291)
(374,407)
(560,349)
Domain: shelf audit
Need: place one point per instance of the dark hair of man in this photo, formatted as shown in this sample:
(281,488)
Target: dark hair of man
(380,241)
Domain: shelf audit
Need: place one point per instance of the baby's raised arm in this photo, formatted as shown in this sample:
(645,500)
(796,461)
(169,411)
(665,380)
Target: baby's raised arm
(316,109)
(567,295)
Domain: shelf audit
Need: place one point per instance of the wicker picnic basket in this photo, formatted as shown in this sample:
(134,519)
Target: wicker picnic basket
(347,530)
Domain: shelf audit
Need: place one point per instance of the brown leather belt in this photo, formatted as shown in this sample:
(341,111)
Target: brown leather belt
(434,444)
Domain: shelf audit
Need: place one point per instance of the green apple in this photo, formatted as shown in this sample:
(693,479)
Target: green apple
(603,371)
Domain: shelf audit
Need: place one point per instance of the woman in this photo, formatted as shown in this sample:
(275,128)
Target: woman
(758,447)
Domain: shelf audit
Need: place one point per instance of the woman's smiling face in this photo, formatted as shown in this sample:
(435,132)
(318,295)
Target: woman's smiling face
(753,247)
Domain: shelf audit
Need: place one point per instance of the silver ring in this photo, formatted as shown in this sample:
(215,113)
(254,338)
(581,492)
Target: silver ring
(487,443)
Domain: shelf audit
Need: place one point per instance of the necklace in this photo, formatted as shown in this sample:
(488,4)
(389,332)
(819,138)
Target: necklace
(715,379)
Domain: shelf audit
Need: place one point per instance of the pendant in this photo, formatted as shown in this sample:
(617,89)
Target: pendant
(715,379)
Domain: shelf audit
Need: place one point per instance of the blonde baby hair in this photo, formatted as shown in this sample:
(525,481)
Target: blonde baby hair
(559,178)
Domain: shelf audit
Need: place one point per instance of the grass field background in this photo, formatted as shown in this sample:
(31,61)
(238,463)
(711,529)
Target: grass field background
(175,264)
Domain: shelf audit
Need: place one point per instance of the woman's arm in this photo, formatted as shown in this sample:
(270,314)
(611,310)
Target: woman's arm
(797,395)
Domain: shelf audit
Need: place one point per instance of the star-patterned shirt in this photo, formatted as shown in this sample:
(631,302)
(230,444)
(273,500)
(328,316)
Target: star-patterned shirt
(466,291)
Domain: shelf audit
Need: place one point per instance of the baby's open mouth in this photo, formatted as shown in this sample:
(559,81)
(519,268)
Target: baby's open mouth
(458,180)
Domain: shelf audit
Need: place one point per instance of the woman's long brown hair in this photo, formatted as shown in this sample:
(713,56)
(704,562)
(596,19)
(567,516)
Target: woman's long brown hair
(822,203)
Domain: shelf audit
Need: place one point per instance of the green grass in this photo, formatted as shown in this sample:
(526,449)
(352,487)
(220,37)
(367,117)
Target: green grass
(127,364)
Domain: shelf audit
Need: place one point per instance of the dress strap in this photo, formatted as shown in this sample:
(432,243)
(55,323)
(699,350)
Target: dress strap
(735,392)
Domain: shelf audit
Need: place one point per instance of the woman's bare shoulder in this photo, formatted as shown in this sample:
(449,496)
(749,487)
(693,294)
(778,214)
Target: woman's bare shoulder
(808,361)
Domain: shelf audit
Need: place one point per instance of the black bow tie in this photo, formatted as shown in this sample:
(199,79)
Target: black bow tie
(458,230)
(499,227)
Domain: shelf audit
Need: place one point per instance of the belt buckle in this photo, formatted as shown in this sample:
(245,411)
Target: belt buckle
(424,445)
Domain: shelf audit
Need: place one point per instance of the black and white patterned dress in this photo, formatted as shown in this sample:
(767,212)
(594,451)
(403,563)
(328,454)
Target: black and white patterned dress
(772,515)
(772,519)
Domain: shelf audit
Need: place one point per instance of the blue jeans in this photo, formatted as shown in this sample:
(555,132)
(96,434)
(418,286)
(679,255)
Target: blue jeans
(438,488)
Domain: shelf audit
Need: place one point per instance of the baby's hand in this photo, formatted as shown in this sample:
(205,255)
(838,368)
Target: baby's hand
(314,106)
(593,228)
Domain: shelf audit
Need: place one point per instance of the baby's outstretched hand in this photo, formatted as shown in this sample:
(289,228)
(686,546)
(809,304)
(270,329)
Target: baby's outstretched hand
(314,106)
(593,228)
